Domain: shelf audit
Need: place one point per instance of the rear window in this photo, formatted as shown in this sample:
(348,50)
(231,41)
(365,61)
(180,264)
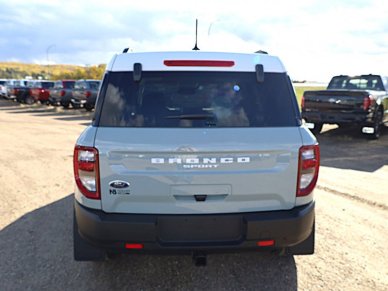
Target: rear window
(68,84)
(47,85)
(368,82)
(93,85)
(197,99)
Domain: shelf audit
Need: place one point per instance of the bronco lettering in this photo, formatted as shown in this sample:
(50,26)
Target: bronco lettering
(196,161)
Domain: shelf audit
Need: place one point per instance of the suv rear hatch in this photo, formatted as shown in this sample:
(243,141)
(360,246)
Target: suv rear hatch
(197,142)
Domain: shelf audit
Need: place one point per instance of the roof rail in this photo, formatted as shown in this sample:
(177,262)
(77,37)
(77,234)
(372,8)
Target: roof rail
(125,50)
(261,52)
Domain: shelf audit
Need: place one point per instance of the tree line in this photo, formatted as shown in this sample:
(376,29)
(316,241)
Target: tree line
(12,70)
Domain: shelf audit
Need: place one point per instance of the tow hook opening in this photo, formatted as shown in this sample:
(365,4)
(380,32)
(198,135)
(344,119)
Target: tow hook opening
(200,198)
(199,259)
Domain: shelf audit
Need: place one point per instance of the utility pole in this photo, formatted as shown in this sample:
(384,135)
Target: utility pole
(48,63)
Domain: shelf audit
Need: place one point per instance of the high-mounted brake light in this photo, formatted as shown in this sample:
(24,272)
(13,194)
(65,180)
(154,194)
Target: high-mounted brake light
(309,157)
(86,171)
(198,63)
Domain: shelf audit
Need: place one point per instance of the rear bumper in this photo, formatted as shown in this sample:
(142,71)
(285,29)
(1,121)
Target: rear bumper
(337,117)
(180,233)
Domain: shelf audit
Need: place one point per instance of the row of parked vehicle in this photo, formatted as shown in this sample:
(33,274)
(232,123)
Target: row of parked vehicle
(66,93)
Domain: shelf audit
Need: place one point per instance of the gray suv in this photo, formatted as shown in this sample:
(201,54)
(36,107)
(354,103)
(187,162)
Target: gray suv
(193,153)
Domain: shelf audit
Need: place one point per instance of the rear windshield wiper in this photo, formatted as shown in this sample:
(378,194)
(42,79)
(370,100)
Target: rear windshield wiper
(191,116)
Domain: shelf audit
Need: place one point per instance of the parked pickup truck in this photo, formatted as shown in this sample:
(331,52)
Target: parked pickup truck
(349,100)
(41,91)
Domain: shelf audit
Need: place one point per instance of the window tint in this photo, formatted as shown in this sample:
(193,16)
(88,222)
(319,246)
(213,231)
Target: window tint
(197,99)
(47,85)
(68,84)
(368,82)
(93,85)
(58,85)
(79,85)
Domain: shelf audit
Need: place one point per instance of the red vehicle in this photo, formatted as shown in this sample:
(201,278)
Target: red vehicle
(41,91)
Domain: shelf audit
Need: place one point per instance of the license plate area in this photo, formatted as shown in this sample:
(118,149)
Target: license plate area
(192,229)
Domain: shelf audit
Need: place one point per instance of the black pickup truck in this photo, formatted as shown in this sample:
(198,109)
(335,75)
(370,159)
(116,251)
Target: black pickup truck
(349,100)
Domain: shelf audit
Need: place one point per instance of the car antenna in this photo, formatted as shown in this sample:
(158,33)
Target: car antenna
(196,36)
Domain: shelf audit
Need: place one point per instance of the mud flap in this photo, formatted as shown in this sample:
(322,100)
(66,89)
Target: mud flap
(306,247)
(83,251)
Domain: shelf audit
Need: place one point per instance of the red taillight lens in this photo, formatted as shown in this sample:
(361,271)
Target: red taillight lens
(86,171)
(63,93)
(88,94)
(134,246)
(367,102)
(308,169)
(198,63)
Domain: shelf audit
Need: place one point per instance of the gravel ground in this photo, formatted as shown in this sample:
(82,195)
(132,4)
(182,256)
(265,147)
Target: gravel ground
(36,145)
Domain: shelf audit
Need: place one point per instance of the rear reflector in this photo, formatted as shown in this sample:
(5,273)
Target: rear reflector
(265,243)
(308,169)
(198,63)
(134,246)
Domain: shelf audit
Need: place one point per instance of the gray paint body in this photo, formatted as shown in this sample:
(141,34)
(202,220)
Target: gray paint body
(267,182)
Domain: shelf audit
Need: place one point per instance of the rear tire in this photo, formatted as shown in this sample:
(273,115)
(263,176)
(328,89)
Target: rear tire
(83,251)
(88,107)
(29,100)
(378,121)
(65,105)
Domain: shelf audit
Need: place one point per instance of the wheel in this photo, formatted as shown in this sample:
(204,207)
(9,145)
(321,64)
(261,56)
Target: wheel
(83,251)
(88,107)
(29,100)
(377,122)
(317,128)
(65,105)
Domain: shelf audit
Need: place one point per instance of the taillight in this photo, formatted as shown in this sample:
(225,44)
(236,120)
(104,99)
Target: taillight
(367,102)
(308,169)
(302,102)
(88,94)
(86,171)
(42,90)
(63,92)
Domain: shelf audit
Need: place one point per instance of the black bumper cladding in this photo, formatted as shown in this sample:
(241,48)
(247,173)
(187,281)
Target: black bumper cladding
(210,232)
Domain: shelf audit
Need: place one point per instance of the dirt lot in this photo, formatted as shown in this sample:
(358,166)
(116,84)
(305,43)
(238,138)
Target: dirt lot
(36,145)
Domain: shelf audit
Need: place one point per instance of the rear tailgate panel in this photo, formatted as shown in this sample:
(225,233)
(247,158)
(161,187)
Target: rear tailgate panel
(167,168)
(334,100)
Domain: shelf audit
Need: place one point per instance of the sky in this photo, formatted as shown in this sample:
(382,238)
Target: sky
(314,39)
